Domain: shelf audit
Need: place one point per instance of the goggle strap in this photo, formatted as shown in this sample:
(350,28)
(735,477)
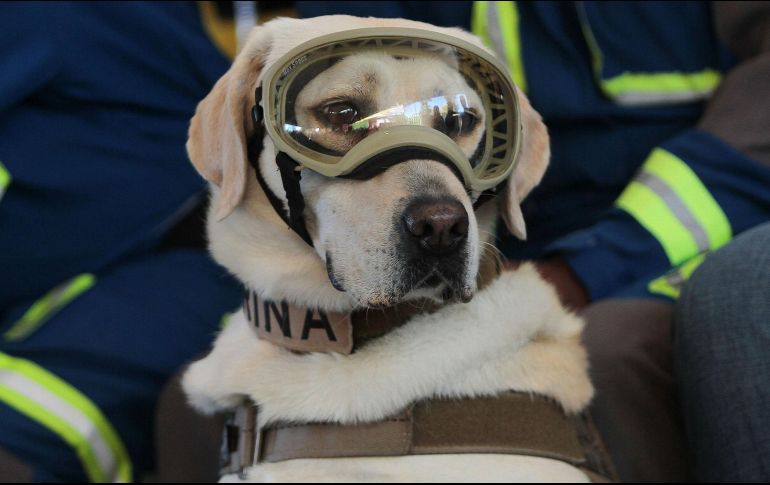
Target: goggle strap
(486,196)
(290,177)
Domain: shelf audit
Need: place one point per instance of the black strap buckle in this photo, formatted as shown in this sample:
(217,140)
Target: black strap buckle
(290,177)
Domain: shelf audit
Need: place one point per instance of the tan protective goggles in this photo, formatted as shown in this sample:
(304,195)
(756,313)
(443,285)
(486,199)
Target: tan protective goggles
(344,101)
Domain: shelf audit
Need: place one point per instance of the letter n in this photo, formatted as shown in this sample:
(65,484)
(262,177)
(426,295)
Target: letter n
(281,316)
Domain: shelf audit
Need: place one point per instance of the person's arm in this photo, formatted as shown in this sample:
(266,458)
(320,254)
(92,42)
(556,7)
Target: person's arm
(28,52)
(694,192)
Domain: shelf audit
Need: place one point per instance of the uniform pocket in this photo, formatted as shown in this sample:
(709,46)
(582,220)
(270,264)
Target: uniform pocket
(652,53)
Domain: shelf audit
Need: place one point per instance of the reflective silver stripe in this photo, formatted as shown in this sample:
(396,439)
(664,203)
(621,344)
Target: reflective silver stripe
(493,30)
(71,415)
(677,207)
(670,284)
(675,278)
(635,98)
(245,20)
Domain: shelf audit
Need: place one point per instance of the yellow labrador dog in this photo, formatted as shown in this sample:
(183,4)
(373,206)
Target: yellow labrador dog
(511,335)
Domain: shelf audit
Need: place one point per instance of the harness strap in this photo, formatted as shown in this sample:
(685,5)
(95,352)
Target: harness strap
(290,176)
(510,423)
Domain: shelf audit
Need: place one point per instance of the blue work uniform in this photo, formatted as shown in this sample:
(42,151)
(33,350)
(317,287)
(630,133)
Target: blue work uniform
(636,194)
(97,309)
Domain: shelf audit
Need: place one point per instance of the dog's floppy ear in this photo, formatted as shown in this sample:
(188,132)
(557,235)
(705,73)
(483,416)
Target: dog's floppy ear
(533,160)
(216,141)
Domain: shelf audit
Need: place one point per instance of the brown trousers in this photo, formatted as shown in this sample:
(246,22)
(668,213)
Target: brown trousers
(13,470)
(636,407)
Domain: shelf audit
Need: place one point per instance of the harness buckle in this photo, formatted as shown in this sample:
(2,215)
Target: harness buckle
(241,443)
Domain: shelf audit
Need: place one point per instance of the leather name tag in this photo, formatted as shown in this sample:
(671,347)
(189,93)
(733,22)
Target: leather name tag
(300,329)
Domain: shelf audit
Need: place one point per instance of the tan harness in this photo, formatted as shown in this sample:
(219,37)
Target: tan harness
(509,423)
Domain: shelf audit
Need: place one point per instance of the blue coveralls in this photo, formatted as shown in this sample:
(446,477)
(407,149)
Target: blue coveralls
(95,313)
(636,195)
(660,155)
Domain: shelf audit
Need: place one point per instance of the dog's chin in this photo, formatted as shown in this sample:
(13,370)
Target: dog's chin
(420,282)
(441,293)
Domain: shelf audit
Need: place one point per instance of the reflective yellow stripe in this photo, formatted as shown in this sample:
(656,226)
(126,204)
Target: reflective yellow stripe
(47,306)
(639,88)
(220,30)
(56,405)
(671,283)
(668,199)
(509,25)
(479,22)
(225,320)
(702,82)
(661,88)
(57,425)
(653,214)
(597,58)
(5,180)
(500,20)
(693,194)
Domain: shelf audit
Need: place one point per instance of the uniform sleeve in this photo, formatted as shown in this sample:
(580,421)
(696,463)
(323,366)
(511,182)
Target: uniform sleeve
(28,57)
(360,9)
(698,190)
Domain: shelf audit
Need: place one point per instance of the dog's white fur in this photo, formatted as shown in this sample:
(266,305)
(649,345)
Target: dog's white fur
(469,468)
(513,335)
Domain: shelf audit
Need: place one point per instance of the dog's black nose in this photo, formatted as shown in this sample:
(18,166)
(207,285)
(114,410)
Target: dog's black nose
(437,226)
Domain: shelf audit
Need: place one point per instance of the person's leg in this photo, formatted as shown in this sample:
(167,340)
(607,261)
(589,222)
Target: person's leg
(188,443)
(635,407)
(13,470)
(722,361)
(101,361)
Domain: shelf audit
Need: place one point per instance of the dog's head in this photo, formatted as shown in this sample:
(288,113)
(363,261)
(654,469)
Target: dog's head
(410,231)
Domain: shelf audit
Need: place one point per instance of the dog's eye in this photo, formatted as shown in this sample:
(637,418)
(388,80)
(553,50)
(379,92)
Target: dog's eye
(458,123)
(340,114)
